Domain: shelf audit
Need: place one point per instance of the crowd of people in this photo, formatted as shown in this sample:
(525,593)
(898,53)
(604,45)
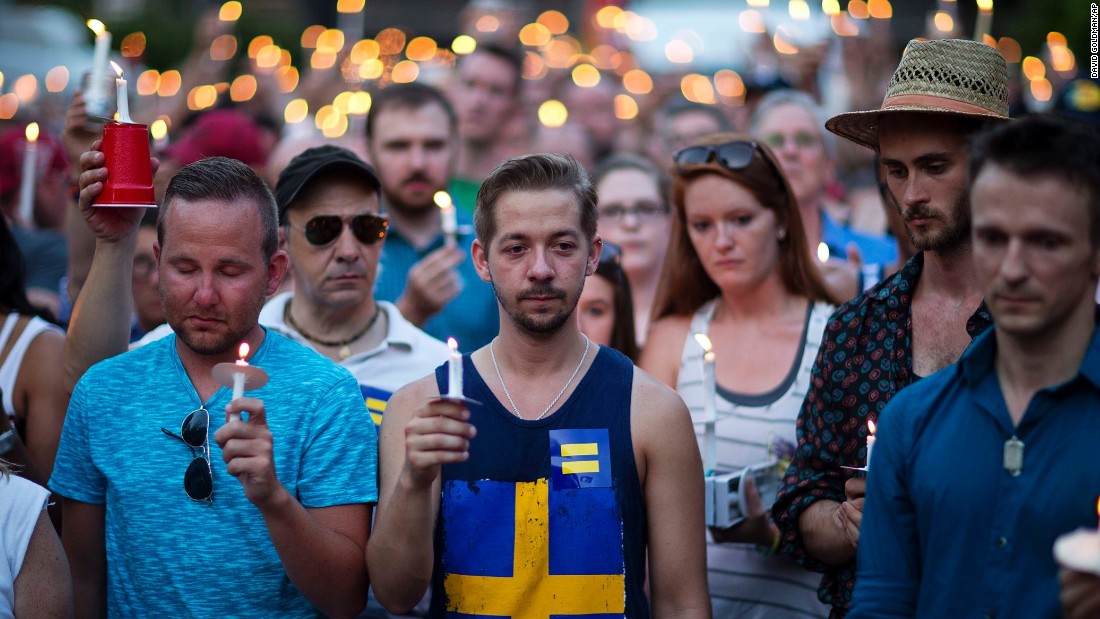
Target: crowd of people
(519,399)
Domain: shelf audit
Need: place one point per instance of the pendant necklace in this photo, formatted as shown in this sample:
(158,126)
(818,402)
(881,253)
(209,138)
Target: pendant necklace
(345,349)
(1014,456)
(493,356)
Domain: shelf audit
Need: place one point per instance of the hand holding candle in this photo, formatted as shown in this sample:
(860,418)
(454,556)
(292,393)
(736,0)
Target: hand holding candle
(95,98)
(710,411)
(454,370)
(870,441)
(123,98)
(240,375)
(1080,549)
(448,218)
(30,173)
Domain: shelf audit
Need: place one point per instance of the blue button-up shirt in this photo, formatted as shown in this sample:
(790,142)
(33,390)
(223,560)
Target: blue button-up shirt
(947,531)
(471,317)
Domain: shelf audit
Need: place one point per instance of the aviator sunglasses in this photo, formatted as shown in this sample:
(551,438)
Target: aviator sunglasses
(730,155)
(324,229)
(198,480)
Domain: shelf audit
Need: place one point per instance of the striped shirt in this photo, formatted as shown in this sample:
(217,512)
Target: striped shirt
(750,429)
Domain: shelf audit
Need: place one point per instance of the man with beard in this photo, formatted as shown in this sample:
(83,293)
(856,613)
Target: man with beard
(980,468)
(570,470)
(291,529)
(412,141)
(909,326)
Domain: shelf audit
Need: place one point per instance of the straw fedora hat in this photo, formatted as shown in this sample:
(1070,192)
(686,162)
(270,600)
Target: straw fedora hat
(947,76)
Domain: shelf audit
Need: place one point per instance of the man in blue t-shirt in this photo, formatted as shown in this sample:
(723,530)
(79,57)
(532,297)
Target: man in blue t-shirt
(287,537)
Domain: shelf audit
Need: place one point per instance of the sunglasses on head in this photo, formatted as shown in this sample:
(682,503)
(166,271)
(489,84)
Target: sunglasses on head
(324,229)
(198,479)
(730,155)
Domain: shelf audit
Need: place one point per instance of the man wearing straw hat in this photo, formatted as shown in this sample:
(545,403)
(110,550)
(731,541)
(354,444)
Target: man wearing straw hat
(909,326)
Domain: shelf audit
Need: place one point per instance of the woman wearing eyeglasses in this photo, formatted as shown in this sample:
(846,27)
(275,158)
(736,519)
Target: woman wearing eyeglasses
(738,270)
(605,311)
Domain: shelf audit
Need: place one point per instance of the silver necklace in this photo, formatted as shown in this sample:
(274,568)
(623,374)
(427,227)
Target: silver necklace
(493,356)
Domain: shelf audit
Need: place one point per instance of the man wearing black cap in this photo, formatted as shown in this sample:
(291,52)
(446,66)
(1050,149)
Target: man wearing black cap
(333,230)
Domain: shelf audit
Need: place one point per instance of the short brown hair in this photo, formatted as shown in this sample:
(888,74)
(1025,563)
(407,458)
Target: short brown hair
(537,172)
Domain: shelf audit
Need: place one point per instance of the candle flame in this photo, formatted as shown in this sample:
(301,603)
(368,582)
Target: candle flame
(871,427)
(452,344)
(704,341)
(32,132)
(243,350)
(442,199)
(117,68)
(1098,507)
(97,26)
(822,252)
(985,5)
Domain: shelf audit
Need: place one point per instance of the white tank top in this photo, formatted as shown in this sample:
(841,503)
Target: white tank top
(9,371)
(743,582)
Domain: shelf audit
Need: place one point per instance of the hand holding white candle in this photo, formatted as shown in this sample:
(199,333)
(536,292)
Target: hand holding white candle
(240,376)
(454,370)
(870,441)
(710,411)
(448,218)
(29,178)
(123,98)
(95,94)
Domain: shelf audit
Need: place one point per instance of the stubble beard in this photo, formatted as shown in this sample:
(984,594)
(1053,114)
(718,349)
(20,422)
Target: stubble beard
(954,234)
(541,326)
(209,343)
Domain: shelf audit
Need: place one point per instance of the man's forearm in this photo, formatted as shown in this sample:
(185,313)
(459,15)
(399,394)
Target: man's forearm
(100,324)
(823,535)
(401,552)
(323,563)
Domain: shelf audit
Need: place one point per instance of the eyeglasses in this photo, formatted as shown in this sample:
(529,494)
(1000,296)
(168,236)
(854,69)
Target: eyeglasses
(198,479)
(144,267)
(644,211)
(730,155)
(801,139)
(324,229)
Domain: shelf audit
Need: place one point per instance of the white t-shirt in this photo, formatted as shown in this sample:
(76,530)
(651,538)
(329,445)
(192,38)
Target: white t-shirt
(406,353)
(21,503)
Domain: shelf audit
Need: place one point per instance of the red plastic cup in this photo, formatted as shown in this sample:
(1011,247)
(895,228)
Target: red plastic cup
(130,173)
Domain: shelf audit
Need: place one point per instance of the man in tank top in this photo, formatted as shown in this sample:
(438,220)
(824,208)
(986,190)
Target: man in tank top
(561,469)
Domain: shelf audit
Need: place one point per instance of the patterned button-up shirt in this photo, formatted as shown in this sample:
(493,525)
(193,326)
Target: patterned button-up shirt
(865,358)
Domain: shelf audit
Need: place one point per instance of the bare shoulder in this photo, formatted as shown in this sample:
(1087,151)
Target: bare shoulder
(663,347)
(654,404)
(404,402)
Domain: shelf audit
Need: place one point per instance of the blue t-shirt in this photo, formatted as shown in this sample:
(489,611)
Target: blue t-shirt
(947,530)
(471,317)
(170,556)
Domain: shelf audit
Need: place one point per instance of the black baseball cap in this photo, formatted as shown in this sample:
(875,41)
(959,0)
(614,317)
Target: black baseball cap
(307,165)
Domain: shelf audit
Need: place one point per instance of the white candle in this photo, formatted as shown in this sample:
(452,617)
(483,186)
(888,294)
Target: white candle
(454,370)
(123,99)
(239,379)
(984,21)
(30,172)
(710,411)
(99,61)
(870,441)
(448,218)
